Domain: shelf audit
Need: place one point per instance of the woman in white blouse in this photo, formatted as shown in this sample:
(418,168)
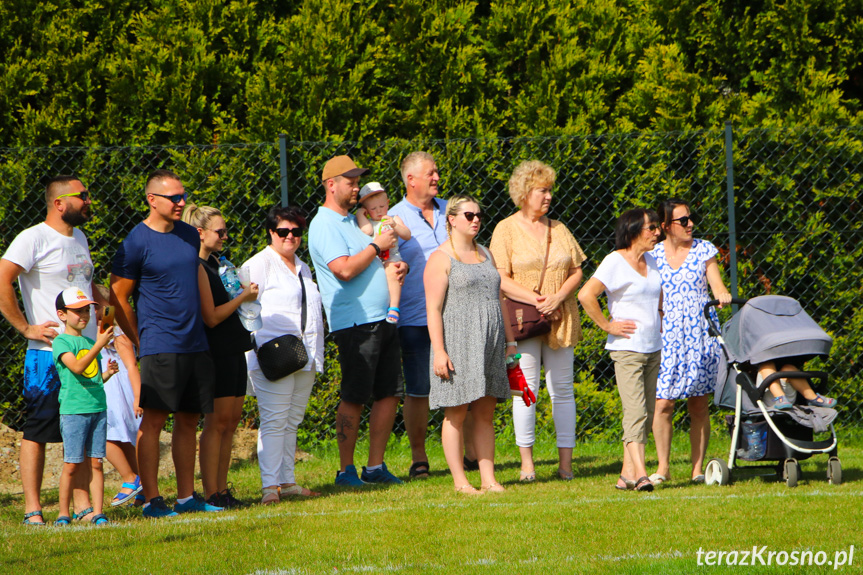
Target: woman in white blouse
(282,403)
(630,279)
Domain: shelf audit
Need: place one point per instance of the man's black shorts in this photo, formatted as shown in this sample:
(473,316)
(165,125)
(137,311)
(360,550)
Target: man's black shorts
(178,382)
(370,358)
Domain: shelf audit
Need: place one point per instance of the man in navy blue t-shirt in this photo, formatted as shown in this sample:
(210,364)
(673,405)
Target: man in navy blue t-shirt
(157,265)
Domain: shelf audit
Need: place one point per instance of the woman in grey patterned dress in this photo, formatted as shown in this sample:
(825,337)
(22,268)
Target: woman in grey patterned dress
(469,341)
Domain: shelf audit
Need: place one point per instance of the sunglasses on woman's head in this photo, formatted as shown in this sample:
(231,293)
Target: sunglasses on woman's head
(469,216)
(283,232)
(684,220)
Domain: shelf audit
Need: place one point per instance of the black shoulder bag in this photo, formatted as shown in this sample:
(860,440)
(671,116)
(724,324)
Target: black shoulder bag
(286,354)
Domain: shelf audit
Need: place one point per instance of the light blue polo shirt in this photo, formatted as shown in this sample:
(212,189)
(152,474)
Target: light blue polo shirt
(425,239)
(361,300)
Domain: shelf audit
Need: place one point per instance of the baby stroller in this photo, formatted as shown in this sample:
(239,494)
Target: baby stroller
(770,328)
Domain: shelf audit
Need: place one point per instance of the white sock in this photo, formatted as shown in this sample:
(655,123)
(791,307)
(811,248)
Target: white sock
(374,467)
(184,499)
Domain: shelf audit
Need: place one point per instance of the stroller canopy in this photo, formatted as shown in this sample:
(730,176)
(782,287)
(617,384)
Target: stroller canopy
(766,328)
(771,327)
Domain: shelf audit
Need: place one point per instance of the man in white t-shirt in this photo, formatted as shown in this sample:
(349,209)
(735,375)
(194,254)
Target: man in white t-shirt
(46,259)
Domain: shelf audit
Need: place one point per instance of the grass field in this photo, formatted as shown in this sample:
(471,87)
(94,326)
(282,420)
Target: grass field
(551,526)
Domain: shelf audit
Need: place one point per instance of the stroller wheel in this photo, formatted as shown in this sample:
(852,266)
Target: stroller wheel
(717,473)
(792,472)
(834,471)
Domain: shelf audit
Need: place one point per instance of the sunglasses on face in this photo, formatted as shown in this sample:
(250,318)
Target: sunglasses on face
(685,220)
(284,232)
(469,216)
(174,199)
(651,228)
(223,233)
(85,195)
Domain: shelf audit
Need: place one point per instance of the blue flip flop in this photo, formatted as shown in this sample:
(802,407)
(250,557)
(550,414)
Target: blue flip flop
(99,520)
(62,521)
(126,498)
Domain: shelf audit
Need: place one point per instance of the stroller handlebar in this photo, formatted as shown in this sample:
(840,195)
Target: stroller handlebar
(713,327)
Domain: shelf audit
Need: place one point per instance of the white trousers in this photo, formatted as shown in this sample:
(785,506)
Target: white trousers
(558,364)
(282,407)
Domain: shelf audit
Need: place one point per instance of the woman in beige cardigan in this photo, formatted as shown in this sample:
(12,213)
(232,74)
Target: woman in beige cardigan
(519,245)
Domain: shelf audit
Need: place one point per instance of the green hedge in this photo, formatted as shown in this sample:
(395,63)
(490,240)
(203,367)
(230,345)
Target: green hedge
(118,72)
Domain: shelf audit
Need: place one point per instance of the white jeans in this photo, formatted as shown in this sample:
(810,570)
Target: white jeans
(558,365)
(282,406)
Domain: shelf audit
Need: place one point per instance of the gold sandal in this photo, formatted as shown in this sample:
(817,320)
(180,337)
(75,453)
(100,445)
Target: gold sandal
(494,487)
(468,489)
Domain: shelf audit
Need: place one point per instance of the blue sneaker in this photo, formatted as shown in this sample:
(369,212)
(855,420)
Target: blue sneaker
(381,475)
(348,477)
(195,504)
(157,509)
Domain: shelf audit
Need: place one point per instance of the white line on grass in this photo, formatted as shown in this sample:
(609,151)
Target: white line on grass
(281,512)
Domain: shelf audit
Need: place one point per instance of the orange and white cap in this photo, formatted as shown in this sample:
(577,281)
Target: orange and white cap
(73,298)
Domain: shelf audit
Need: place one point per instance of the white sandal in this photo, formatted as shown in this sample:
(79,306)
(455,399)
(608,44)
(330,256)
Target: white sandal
(271,495)
(297,489)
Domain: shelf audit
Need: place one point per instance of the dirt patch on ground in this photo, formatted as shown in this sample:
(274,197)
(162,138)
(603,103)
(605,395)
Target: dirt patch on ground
(245,448)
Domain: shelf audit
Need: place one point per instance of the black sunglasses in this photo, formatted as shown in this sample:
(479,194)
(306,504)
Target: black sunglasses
(469,216)
(283,232)
(174,199)
(652,228)
(684,220)
(223,233)
(85,195)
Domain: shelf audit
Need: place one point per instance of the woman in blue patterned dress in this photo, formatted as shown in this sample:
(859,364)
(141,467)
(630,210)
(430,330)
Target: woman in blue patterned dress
(690,357)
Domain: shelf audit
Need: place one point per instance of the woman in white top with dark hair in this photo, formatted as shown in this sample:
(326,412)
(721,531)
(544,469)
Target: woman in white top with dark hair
(630,279)
(282,403)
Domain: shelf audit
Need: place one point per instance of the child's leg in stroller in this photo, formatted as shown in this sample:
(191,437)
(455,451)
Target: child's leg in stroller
(662,433)
(699,431)
(802,386)
(769,368)
(799,385)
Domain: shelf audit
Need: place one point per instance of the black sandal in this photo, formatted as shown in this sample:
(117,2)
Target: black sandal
(644,484)
(419,470)
(471,464)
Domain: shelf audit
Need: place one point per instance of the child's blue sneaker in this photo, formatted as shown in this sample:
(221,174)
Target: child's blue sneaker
(348,477)
(781,402)
(821,401)
(157,509)
(196,504)
(381,475)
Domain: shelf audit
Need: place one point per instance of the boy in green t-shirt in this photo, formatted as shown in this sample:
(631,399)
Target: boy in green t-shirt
(83,420)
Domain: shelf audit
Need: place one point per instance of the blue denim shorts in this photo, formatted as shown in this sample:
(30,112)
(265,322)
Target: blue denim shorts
(416,355)
(84,435)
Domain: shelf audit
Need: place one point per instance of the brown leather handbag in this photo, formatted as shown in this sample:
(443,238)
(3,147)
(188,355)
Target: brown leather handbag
(525,319)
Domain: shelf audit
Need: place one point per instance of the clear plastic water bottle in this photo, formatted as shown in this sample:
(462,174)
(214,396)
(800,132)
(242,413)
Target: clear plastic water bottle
(229,277)
(249,311)
(755,436)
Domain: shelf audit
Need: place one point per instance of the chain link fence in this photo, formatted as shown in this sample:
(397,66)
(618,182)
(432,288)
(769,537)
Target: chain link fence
(795,228)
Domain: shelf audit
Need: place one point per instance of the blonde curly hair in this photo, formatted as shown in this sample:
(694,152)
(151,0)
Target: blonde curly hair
(527,176)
